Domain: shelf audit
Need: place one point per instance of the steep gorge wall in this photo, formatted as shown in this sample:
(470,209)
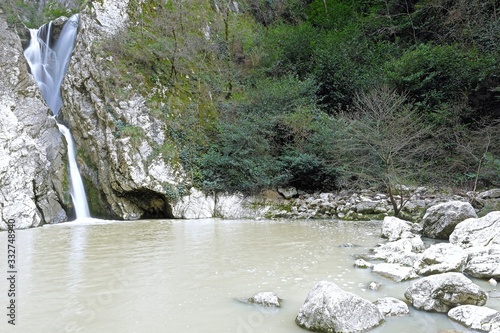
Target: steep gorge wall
(33,179)
(125,176)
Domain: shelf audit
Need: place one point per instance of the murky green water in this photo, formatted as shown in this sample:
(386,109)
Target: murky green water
(185,276)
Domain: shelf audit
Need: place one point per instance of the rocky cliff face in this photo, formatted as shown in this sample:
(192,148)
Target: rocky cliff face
(32,168)
(117,138)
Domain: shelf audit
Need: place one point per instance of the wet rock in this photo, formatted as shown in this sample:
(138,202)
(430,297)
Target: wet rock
(440,220)
(483,262)
(493,282)
(266,298)
(441,258)
(360,263)
(442,292)
(395,228)
(395,272)
(390,306)
(482,231)
(328,308)
(374,285)
(476,317)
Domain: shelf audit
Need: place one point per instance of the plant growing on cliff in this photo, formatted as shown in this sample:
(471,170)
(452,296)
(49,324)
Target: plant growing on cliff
(387,141)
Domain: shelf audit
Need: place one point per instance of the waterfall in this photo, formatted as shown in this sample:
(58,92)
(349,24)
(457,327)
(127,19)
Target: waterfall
(48,59)
(77,189)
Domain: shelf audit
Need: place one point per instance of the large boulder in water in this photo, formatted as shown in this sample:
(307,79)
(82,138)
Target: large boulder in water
(328,308)
(441,258)
(442,292)
(476,317)
(395,228)
(483,262)
(440,220)
(484,231)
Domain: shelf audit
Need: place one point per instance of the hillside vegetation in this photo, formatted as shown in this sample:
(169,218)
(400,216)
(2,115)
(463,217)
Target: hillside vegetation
(321,95)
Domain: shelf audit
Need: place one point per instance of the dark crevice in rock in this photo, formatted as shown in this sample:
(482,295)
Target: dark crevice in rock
(154,205)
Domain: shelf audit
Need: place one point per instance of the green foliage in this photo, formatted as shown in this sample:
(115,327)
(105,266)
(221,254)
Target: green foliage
(30,14)
(332,14)
(135,133)
(436,74)
(240,161)
(309,172)
(267,93)
(346,62)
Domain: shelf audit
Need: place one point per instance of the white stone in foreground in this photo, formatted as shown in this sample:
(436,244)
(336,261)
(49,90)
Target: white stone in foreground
(331,309)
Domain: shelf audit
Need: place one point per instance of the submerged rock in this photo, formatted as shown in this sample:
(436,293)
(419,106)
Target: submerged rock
(442,292)
(440,220)
(360,263)
(328,308)
(266,298)
(476,317)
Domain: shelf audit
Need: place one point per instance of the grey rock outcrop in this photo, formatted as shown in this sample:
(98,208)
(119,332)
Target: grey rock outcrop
(32,170)
(441,258)
(126,174)
(328,308)
(442,292)
(476,317)
(484,231)
(440,220)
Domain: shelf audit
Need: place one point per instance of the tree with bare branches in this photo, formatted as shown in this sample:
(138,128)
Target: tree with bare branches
(387,138)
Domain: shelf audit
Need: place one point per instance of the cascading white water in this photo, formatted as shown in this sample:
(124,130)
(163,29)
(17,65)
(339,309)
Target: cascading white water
(77,189)
(48,61)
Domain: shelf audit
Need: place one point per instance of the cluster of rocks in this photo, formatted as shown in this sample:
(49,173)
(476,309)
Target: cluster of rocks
(369,204)
(470,247)
(466,246)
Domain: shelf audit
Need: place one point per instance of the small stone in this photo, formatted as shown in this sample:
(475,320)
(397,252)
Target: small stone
(360,263)
(493,282)
(374,285)
(266,298)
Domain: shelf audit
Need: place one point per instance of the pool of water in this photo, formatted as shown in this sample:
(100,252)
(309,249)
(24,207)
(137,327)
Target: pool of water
(187,275)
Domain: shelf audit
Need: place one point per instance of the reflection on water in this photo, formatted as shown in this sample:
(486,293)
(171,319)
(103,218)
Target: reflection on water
(185,276)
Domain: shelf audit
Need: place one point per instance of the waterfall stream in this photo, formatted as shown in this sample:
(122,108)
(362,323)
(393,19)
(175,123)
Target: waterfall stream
(48,59)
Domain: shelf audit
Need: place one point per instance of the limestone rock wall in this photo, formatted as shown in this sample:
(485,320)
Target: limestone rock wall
(32,165)
(125,176)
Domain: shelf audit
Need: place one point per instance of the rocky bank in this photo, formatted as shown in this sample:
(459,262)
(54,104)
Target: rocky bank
(440,272)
